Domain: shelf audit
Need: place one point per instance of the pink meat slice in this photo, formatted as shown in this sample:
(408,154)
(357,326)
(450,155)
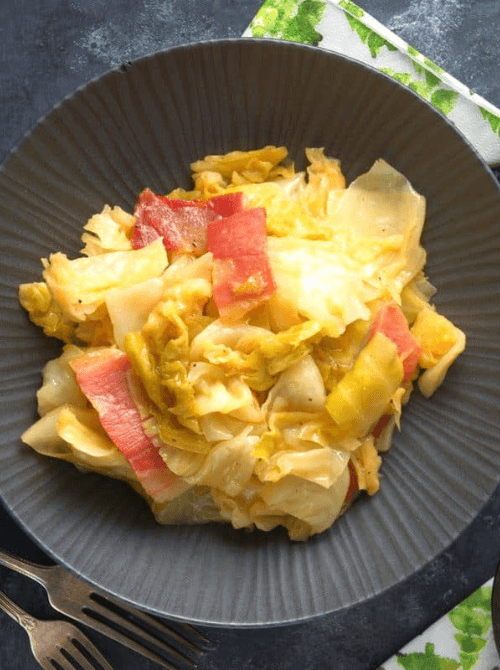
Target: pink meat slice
(102,376)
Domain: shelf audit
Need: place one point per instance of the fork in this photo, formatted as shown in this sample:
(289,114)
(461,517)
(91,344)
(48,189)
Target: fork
(100,611)
(55,641)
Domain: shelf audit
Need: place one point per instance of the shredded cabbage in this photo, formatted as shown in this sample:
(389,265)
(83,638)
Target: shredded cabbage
(108,231)
(80,285)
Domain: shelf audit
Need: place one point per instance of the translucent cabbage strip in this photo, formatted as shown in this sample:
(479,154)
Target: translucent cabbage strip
(364,393)
(80,285)
(74,434)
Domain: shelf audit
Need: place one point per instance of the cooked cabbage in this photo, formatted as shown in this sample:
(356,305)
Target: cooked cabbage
(46,312)
(80,285)
(371,383)
(108,231)
(74,434)
(274,419)
(59,383)
(441,344)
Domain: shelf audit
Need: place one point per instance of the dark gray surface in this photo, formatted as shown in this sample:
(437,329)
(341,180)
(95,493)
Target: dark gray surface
(49,48)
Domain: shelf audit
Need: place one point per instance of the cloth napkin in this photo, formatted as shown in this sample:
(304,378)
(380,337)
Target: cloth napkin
(463,638)
(344,27)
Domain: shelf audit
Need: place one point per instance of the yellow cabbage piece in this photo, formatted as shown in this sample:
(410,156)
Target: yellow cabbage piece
(160,355)
(165,429)
(254,166)
(129,308)
(76,435)
(281,312)
(294,410)
(322,466)
(206,184)
(416,296)
(254,351)
(284,215)
(217,426)
(215,175)
(297,205)
(335,356)
(301,431)
(96,331)
(441,344)
(59,383)
(283,349)
(299,388)
(307,501)
(367,463)
(380,219)
(382,203)
(80,285)
(302,506)
(325,179)
(194,506)
(228,466)
(45,312)
(364,393)
(110,230)
(383,441)
(186,267)
(214,392)
(322,283)
(230,336)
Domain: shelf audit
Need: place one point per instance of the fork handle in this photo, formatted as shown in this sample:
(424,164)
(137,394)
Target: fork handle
(25,567)
(16,612)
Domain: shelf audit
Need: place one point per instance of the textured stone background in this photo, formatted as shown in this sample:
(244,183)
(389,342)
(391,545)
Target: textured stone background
(48,48)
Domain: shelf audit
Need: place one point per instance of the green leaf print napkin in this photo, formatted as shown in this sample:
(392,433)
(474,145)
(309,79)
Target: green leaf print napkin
(461,639)
(342,26)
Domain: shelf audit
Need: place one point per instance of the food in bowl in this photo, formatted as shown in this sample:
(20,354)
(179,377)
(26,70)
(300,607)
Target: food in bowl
(242,351)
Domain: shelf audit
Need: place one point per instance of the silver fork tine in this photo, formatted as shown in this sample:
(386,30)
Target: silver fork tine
(82,660)
(61,660)
(77,655)
(158,624)
(129,642)
(104,611)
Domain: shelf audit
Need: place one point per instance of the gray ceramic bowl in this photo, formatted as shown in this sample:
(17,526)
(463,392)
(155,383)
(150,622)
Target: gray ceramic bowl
(141,125)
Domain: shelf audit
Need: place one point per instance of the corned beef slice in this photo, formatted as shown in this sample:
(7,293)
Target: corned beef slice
(242,273)
(102,376)
(181,223)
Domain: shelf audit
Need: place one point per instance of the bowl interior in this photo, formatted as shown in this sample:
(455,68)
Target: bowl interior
(140,126)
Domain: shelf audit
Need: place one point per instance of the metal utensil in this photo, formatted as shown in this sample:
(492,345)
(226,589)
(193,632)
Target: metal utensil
(98,610)
(57,641)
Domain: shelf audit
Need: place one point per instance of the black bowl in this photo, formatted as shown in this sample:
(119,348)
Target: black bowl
(141,125)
